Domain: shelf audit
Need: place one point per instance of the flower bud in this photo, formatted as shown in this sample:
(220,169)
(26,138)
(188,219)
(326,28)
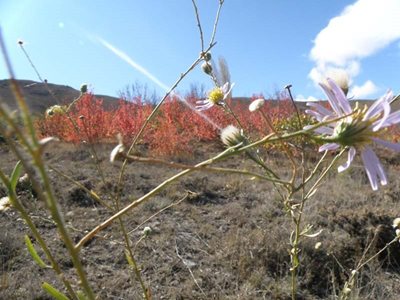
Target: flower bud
(147,231)
(206,56)
(84,88)
(256,104)
(206,67)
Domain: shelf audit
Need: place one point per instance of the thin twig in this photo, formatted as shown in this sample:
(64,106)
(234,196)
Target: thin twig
(228,152)
(221,2)
(132,158)
(294,105)
(159,212)
(199,25)
(189,269)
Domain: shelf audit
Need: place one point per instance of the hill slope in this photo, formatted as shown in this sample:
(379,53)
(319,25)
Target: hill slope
(39,97)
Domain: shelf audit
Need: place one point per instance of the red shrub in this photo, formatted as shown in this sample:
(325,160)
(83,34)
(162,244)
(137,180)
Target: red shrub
(128,118)
(174,129)
(86,120)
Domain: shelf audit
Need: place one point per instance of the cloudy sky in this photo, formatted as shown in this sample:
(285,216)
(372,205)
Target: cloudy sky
(267,44)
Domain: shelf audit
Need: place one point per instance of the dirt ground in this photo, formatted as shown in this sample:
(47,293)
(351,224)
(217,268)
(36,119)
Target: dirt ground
(228,239)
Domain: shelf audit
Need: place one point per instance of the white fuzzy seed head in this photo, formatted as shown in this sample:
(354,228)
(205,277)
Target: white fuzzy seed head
(231,136)
(5,203)
(396,223)
(340,77)
(256,104)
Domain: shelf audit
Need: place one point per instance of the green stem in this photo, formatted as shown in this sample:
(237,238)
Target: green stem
(297,220)
(47,195)
(57,217)
(25,216)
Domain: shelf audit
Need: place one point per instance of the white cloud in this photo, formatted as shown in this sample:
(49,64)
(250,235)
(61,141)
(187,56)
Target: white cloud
(301,98)
(361,30)
(363,91)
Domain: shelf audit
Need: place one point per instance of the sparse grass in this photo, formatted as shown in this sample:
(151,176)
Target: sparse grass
(237,238)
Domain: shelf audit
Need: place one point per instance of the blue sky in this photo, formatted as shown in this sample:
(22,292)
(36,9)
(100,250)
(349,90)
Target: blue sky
(266,43)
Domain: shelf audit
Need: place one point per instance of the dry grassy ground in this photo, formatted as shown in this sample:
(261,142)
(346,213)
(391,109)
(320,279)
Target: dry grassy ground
(227,240)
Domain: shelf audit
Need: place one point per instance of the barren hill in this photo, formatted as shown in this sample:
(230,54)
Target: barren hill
(39,96)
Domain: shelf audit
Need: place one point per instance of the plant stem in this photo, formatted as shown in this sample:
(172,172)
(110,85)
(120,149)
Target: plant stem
(25,216)
(105,224)
(297,218)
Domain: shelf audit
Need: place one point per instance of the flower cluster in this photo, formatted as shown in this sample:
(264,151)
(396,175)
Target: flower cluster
(357,129)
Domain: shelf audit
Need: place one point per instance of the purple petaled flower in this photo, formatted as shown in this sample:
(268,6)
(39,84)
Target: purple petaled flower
(215,97)
(360,128)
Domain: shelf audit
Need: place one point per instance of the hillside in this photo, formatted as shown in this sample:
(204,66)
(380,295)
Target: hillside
(39,97)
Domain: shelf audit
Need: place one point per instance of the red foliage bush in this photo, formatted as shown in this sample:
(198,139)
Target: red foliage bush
(176,127)
(85,121)
(128,118)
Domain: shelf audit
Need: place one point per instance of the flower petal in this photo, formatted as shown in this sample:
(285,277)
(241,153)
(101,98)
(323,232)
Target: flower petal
(324,130)
(392,119)
(351,154)
(340,97)
(227,89)
(386,112)
(370,168)
(332,100)
(204,107)
(377,107)
(322,110)
(373,168)
(392,146)
(201,102)
(315,114)
(328,146)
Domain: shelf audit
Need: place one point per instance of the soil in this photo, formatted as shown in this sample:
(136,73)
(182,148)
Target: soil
(225,236)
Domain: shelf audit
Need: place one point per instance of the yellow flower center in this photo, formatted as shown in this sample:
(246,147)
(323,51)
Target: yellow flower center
(216,95)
